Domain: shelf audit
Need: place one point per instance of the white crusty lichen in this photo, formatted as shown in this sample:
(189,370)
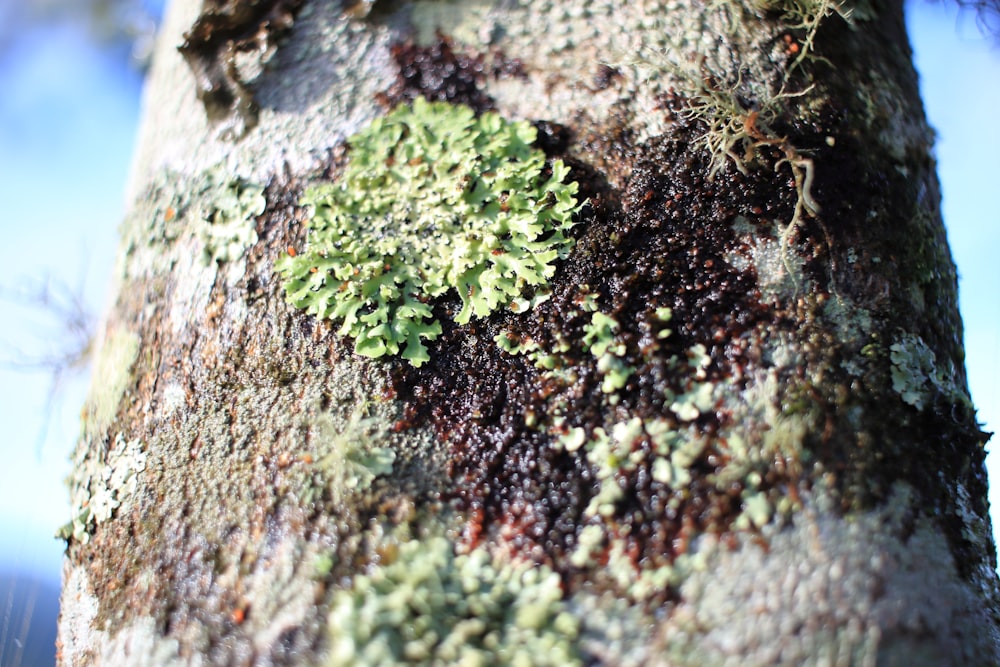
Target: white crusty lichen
(879,587)
(916,372)
(143,644)
(83,640)
(427,606)
(100,486)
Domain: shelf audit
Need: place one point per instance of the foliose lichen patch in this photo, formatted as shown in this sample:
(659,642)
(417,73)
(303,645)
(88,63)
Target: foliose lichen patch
(434,200)
(424,605)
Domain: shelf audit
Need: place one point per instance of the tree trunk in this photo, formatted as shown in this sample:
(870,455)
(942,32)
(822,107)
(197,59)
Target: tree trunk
(687,391)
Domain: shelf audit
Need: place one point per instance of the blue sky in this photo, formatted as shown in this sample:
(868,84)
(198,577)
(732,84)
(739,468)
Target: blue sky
(68,117)
(67,123)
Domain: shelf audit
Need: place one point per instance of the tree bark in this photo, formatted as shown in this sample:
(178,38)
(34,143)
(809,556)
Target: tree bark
(732,427)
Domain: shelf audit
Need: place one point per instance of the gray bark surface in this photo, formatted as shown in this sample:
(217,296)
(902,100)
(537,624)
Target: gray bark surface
(787,471)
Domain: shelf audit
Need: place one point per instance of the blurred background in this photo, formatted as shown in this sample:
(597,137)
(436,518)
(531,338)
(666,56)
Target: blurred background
(70,81)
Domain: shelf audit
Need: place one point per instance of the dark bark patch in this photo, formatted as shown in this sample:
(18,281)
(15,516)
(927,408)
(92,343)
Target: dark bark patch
(444,72)
(223,32)
(660,242)
(606,76)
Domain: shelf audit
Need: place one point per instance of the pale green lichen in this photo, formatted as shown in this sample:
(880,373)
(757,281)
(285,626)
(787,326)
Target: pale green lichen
(757,511)
(668,450)
(698,396)
(747,463)
(550,361)
(99,487)
(114,361)
(663,315)
(644,582)
(599,337)
(431,607)
(227,223)
(670,455)
(512,344)
(433,200)
(349,458)
(915,372)
(598,548)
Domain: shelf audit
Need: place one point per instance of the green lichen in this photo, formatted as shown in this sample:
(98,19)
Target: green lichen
(663,315)
(551,361)
(114,361)
(512,344)
(349,458)
(431,607)
(99,487)
(645,582)
(670,449)
(433,200)
(698,397)
(916,374)
(227,224)
(669,453)
(615,452)
(599,336)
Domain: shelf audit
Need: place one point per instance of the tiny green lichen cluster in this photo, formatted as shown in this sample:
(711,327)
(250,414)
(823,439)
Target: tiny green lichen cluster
(669,452)
(433,199)
(349,460)
(666,448)
(614,453)
(97,488)
(599,336)
(227,226)
(431,607)
(698,395)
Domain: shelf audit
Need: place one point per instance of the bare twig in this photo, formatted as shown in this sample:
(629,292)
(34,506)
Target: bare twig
(72,333)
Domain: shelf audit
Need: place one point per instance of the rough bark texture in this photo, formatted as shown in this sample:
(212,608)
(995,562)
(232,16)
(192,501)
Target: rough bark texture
(784,468)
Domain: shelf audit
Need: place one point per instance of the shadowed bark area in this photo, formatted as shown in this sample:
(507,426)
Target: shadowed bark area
(731,426)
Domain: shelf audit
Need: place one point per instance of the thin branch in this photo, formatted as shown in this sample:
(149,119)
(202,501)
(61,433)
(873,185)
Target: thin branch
(73,335)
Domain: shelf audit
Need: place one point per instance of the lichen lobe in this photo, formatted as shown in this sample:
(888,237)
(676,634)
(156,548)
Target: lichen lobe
(435,200)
